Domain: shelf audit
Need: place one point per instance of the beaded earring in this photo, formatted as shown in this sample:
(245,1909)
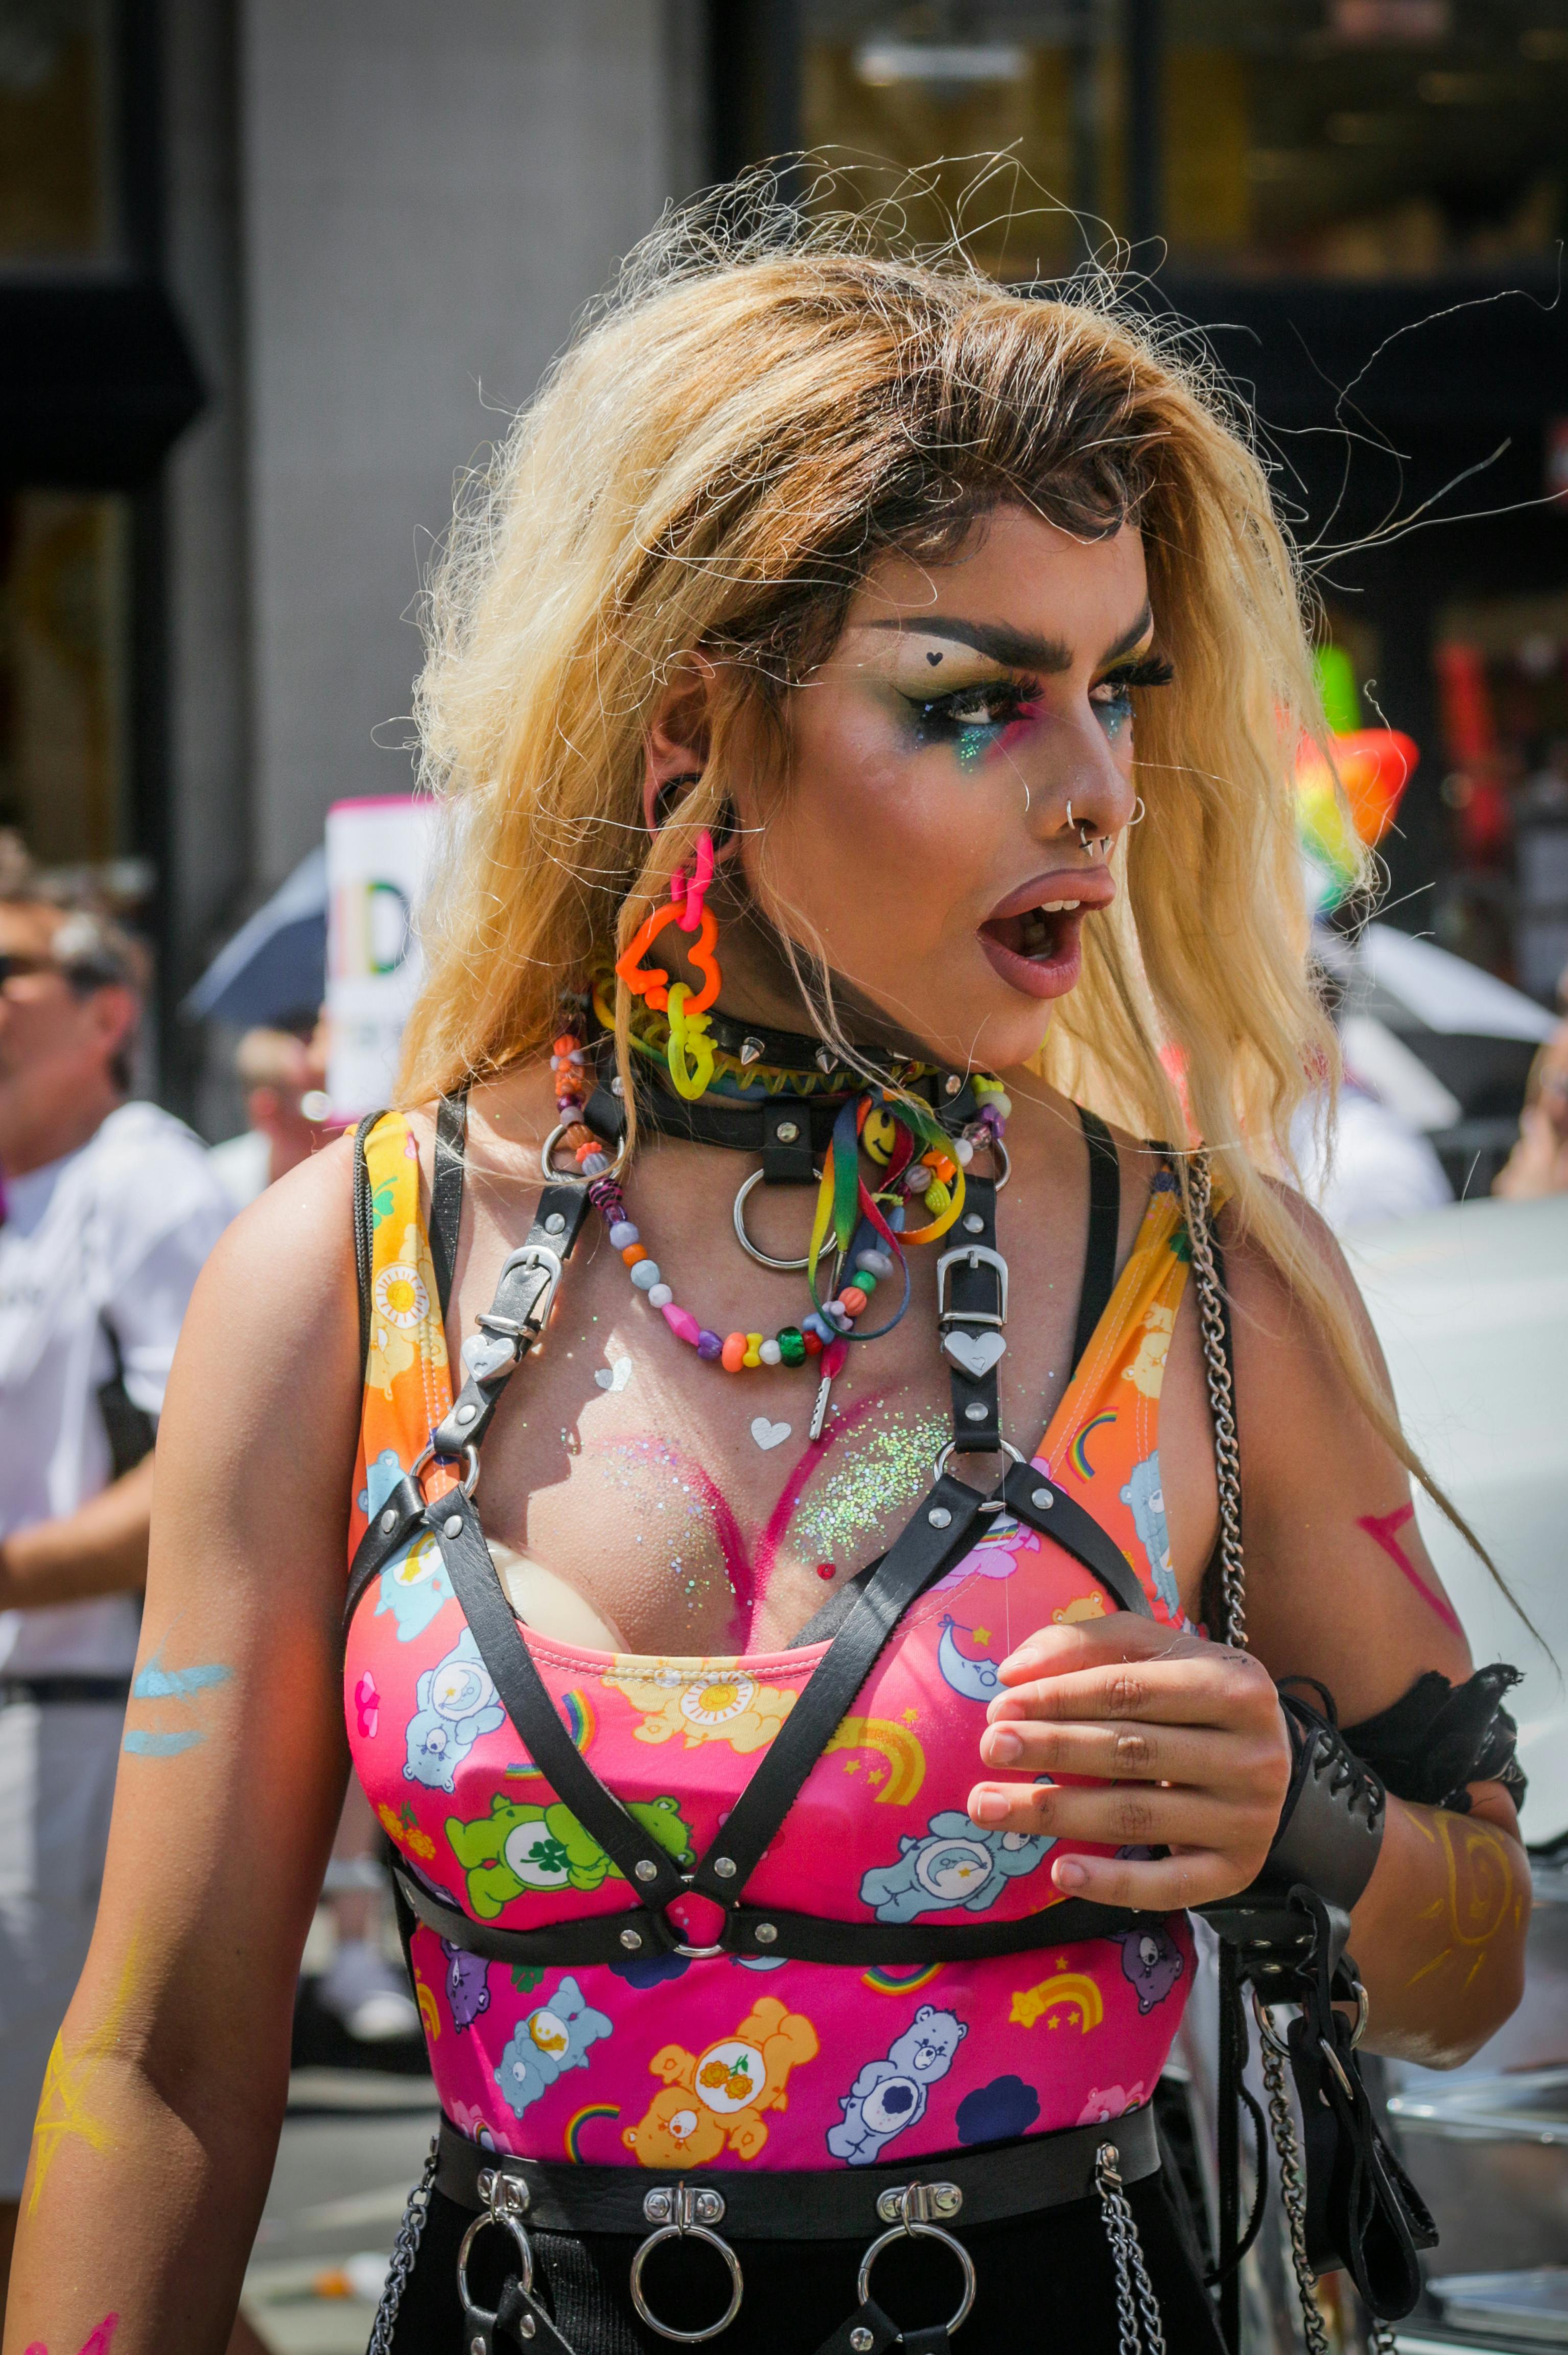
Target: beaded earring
(689,1053)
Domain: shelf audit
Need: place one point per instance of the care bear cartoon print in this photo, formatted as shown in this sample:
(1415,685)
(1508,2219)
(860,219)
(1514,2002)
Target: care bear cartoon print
(517,1847)
(457,1703)
(712,2102)
(1145,1500)
(890,2095)
(468,1985)
(1150,1961)
(552,2038)
(675,2062)
(955,1862)
(701,1700)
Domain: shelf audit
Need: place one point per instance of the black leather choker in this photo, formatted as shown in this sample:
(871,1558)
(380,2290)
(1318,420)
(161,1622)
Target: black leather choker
(787,1133)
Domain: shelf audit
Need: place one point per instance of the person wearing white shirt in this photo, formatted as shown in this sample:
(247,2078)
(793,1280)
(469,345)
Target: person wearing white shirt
(109,1210)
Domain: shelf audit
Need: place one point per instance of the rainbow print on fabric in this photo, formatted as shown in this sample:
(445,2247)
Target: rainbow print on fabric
(581,1724)
(585,2117)
(1081,1465)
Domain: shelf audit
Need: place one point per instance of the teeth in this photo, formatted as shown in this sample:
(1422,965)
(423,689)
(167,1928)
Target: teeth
(1057,907)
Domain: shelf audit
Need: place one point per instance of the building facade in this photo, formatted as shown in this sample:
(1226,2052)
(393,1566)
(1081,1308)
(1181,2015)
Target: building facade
(275,272)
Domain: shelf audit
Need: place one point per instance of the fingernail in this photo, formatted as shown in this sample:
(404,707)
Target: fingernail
(1002,1746)
(1068,1873)
(988,1807)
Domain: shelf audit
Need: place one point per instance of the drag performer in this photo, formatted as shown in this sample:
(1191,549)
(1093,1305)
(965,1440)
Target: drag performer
(867,1498)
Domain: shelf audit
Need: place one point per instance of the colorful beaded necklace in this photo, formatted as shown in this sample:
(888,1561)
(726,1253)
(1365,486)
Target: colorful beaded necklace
(915,1159)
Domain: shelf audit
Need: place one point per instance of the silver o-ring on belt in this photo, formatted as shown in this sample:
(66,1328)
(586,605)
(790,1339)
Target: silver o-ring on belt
(682,2212)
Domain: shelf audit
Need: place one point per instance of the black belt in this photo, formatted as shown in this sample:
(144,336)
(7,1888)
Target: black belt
(43,1691)
(842,2203)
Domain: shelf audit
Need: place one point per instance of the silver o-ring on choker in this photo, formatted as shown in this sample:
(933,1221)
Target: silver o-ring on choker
(682,2212)
(763,1259)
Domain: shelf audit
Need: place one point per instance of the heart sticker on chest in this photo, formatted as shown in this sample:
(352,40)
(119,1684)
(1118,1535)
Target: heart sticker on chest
(769,1435)
(977,1353)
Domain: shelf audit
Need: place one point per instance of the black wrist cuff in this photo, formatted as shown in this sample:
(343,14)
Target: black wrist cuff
(1438,1737)
(1331,1830)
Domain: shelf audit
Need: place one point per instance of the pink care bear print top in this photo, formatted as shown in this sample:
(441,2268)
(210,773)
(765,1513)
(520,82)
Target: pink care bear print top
(672,2062)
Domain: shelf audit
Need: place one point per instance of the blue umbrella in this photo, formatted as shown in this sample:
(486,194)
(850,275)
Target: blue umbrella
(276,964)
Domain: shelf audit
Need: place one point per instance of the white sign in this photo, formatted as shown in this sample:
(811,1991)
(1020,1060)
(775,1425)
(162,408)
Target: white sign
(378,854)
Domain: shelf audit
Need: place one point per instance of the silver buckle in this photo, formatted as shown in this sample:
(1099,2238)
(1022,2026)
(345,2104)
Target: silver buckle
(681,2211)
(547,1262)
(969,1255)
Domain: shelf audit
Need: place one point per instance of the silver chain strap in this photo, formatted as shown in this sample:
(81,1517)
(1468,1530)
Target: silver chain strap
(1135,2295)
(400,2264)
(1222,1401)
(1292,2192)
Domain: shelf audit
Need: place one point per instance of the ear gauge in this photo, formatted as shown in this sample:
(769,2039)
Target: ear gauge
(663,796)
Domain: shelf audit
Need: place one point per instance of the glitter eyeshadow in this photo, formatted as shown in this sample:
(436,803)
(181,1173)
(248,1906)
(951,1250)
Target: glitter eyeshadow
(871,1474)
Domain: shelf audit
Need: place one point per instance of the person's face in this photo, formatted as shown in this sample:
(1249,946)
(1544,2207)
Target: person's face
(971,726)
(56,1042)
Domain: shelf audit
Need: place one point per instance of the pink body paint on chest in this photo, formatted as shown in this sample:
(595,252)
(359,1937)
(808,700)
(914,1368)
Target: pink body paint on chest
(1384,1530)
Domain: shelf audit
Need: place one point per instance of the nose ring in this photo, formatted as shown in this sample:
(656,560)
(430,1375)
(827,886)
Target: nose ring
(1088,838)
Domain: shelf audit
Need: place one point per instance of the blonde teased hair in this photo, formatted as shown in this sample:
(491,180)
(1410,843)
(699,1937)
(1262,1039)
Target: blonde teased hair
(736,435)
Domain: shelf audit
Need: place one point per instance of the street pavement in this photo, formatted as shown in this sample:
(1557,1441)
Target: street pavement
(352,2144)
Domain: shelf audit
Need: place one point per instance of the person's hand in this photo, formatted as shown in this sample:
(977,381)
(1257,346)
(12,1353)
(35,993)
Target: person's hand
(1185,1741)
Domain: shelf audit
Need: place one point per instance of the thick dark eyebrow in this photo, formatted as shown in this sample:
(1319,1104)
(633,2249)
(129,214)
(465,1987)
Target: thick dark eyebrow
(1014,649)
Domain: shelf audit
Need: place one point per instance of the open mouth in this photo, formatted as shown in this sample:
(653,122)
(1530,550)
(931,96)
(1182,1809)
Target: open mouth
(1037,947)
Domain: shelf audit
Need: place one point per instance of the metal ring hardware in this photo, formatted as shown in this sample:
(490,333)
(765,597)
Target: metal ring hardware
(512,2222)
(1005,1447)
(685,2211)
(763,1259)
(916,2209)
(554,1177)
(470,1480)
(1263,2013)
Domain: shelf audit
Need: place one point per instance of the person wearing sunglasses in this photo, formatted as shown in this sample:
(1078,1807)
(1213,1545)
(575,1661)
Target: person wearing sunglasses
(110,1211)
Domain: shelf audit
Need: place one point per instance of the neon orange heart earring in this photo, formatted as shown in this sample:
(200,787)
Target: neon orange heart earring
(690,1052)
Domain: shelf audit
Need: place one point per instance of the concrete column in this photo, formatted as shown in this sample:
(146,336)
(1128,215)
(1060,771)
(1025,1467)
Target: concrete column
(432,188)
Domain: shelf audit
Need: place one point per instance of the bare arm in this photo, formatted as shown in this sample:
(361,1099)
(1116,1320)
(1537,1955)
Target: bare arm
(1191,1743)
(100,1549)
(161,2110)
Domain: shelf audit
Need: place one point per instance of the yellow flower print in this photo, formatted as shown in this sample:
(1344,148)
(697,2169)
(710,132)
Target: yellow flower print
(402,1325)
(1146,1371)
(704,1701)
(404,1834)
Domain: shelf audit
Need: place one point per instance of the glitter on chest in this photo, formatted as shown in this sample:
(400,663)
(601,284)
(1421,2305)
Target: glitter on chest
(873,1473)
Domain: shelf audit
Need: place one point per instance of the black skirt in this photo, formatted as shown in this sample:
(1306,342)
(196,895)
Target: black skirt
(1040,2279)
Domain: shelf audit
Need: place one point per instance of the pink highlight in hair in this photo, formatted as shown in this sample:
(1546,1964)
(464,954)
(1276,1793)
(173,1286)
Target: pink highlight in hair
(1383,1529)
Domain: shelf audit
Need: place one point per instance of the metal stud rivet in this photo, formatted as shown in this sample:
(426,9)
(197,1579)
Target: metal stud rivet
(645,1869)
(525,2326)
(632,1941)
(1041,1500)
(940,1517)
(788,1132)
(554,1224)
(974,1224)
(390,1521)
(466,1414)
(617,1085)
(486,2182)
(476,2347)
(751,1049)
(951,1085)
(976,1413)
(826,1060)
(767,1934)
(452,1524)
(725,1866)
(861,2339)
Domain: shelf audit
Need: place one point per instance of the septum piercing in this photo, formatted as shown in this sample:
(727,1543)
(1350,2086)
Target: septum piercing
(1087,836)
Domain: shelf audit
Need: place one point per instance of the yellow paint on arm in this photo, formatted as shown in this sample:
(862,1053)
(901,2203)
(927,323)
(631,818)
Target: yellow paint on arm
(63,2112)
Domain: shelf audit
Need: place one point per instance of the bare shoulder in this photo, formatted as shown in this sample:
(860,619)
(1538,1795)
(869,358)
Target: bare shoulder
(268,1359)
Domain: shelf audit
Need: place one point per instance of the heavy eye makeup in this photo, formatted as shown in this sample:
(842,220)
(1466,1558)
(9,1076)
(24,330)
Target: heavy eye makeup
(976,718)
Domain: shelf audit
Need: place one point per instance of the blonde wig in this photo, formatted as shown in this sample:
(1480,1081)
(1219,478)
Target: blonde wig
(733,439)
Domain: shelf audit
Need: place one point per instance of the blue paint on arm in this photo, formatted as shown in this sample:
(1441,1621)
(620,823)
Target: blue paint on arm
(162,1745)
(177,1684)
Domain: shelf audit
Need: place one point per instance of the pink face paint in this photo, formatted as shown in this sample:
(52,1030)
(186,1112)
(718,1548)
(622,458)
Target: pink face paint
(1384,1530)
